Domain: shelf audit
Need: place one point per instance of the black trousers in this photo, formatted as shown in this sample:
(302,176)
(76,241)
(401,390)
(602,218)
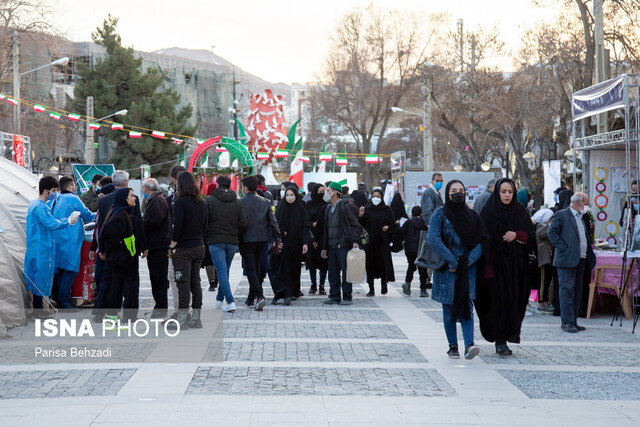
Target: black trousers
(251,253)
(116,286)
(158,264)
(186,269)
(424,275)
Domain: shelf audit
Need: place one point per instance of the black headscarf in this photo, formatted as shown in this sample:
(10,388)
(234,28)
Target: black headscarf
(359,198)
(315,205)
(466,222)
(293,217)
(500,218)
(120,201)
(471,231)
(564,199)
(397,207)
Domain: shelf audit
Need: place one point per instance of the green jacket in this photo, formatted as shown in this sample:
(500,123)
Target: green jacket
(90,199)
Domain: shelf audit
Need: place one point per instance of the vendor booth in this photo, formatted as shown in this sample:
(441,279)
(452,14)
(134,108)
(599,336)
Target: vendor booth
(605,144)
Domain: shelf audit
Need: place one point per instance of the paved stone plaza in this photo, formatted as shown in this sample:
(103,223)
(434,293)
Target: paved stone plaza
(381,361)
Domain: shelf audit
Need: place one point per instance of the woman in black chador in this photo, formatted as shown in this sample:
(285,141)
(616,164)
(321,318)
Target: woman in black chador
(376,217)
(503,294)
(315,263)
(293,221)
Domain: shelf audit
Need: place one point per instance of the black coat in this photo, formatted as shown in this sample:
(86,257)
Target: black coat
(116,229)
(104,205)
(379,263)
(227,220)
(411,232)
(156,221)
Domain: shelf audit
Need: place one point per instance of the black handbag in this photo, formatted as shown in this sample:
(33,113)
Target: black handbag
(397,239)
(427,257)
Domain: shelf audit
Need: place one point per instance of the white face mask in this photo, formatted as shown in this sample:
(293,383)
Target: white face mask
(282,194)
(291,199)
(585,210)
(530,204)
(376,200)
(326,197)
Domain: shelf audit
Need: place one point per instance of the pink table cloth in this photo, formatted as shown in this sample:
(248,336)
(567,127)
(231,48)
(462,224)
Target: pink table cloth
(614,276)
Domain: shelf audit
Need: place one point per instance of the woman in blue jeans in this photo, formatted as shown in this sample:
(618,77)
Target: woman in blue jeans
(459,237)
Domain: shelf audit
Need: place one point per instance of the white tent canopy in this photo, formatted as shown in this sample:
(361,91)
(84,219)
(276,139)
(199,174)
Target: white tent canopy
(18,187)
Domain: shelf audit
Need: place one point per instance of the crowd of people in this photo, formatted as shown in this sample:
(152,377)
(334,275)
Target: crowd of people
(493,253)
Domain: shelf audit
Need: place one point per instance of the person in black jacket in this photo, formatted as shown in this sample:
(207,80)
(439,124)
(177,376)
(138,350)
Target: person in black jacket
(227,222)
(341,233)
(411,232)
(293,221)
(132,287)
(156,228)
(175,170)
(187,248)
(116,247)
(262,227)
(315,263)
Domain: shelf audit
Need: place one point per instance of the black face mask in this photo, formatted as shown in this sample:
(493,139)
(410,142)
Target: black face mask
(457,198)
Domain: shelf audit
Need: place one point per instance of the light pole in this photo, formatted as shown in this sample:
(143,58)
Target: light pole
(89,142)
(16,79)
(427,147)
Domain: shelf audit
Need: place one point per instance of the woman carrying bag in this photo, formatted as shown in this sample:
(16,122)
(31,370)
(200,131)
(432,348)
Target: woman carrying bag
(293,221)
(315,263)
(454,285)
(377,219)
(117,246)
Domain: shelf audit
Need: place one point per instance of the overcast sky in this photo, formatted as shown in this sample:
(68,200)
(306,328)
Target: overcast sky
(278,40)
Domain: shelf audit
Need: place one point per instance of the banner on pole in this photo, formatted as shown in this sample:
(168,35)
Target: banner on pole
(599,98)
(83,174)
(18,150)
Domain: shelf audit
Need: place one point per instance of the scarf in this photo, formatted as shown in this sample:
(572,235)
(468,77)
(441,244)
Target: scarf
(397,207)
(120,201)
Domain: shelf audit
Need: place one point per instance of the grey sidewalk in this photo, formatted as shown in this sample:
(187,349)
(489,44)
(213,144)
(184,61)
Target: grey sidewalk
(381,361)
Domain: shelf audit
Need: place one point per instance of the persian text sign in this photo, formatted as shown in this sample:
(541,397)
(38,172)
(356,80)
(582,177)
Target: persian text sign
(18,150)
(599,98)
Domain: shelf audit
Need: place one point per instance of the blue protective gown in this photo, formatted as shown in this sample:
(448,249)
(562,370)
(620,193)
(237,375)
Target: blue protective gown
(69,240)
(39,260)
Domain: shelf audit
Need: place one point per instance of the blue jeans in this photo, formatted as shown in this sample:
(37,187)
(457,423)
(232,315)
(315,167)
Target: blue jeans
(338,274)
(222,254)
(570,291)
(450,326)
(65,283)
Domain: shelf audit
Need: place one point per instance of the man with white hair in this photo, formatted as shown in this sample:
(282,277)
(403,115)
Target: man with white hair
(156,221)
(121,180)
(569,236)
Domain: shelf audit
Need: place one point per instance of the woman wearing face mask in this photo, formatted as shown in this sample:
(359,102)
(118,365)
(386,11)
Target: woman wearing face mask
(502,297)
(315,263)
(458,235)
(283,189)
(293,221)
(377,218)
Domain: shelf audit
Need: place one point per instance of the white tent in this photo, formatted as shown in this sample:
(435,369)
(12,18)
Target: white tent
(18,187)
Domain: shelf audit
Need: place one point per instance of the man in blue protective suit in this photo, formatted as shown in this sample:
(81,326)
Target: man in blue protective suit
(39,259)
(68,240)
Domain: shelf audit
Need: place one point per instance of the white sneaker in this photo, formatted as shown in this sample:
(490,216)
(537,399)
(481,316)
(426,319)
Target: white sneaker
(219,304)
(230,308)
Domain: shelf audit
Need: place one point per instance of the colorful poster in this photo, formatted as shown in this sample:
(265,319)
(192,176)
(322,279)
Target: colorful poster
(83,174)
(266,123)
(18,150)
(619,179)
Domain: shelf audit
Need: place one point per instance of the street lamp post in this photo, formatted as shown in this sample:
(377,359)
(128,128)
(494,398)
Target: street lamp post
(16,79)
(89,142)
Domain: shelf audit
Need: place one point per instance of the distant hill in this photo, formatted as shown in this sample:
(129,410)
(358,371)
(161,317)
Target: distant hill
(248,82)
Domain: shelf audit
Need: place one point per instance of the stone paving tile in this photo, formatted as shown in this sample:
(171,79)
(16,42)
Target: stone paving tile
(318,381)
(340,313)
(309,301)
(565,355)
(423,303)
(310,330)
(268,292)
(576,385)
(49,384)
(321,352)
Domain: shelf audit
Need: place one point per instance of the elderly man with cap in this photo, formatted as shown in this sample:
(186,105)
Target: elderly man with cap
(342,232)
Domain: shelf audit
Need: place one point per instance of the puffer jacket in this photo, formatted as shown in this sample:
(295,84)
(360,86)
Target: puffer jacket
(227,219)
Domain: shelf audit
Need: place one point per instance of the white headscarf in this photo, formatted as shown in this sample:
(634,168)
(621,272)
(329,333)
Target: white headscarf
(542,216)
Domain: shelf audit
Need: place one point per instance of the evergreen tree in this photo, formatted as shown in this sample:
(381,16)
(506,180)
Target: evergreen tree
(117,82)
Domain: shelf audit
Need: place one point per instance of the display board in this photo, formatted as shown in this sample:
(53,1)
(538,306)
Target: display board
(416,182)
(83,174)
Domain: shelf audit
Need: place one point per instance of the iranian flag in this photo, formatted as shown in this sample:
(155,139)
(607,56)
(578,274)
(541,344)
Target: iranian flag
(2,96)
(12,101)
(325,157)
(372,159)
(133,134)
(116,126)
(94,126)
(221,149)
(305,159)
(297,169)
(262,156)
(73,117)
(281,154)
(38,108)
(54,115)
(156,134)
(176,141)
(342,161)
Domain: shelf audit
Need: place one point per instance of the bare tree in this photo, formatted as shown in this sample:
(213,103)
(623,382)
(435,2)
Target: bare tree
(375,56)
